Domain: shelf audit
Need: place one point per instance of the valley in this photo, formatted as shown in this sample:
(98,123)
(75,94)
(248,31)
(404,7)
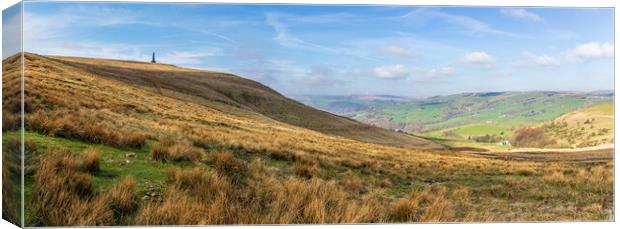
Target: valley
(485,120)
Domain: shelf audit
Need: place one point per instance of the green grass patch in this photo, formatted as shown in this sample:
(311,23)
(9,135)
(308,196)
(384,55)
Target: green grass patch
(115,162)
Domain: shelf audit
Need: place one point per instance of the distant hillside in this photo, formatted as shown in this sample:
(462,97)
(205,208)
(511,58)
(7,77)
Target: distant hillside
(237,95)
(464,116)
(585,127)
(349,104)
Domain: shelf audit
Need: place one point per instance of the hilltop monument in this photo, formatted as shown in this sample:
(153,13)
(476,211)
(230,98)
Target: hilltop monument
(153,59)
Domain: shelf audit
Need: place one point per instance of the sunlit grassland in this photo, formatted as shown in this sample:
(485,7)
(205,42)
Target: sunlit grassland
(251,169)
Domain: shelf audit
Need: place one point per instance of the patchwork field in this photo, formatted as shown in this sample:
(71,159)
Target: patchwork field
(113,142)
(483,120)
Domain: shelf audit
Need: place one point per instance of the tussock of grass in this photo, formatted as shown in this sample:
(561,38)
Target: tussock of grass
(430,204)
(305,170)
(226,164)
(168,150)
(91,159)
(83,127)
(197,196)
(63,194)
(122,197)
(10,121)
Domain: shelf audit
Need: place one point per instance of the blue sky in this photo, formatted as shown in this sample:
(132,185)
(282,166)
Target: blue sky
(339,50)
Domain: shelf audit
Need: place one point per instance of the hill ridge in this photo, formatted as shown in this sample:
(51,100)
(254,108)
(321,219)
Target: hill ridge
(221,90)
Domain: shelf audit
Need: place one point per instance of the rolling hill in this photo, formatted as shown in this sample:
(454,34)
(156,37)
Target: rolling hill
(351,104)
(110,142)
(590,126)
(461,117)
(238,95)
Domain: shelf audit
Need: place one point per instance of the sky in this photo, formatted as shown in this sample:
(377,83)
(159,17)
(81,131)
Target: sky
(342,50)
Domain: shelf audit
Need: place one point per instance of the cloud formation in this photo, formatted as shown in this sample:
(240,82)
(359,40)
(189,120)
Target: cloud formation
(440,72)
(522,14)
(397,71)
(591,51)
(285,38)
(398,51)
(188,57)
(529,59)
(478,58)
(468,24)
(582,53)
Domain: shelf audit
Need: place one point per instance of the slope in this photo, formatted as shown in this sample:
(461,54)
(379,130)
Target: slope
(585,127)
(233,94)
(252,169)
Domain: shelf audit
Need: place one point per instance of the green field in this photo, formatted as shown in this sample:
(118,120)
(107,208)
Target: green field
(456,119)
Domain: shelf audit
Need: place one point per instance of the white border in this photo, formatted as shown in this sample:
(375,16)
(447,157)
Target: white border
(524,3)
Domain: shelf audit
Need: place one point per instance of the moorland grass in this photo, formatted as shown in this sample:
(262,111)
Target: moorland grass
(249,175)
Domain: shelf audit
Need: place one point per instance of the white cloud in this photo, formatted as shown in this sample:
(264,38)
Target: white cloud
(397,51)
(591,51)
(315,81)
(285,38)
(54,33)
(397,71)
(51,34)
(57,26)
(529,59)
(187,57)
(478,58)
(580,54)
(440,72)
(470,25)
(92,49)
(521,13)
(268,71)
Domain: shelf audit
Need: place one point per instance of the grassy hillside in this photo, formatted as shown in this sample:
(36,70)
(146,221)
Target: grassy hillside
(237,95)
(349,105)
(105,148)
(590,126)
(478,113)
(458,120)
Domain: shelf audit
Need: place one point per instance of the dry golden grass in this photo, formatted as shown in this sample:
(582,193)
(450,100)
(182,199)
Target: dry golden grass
(63,193)
(82,126)
(176,151)
(591,126)
(122,196)
(90,163)
(10,121)
(226,164)
(197,196)
(431,204)
(305,170)
(223,90)
(250,175)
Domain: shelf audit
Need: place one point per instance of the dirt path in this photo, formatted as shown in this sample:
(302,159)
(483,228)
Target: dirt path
(597,153)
